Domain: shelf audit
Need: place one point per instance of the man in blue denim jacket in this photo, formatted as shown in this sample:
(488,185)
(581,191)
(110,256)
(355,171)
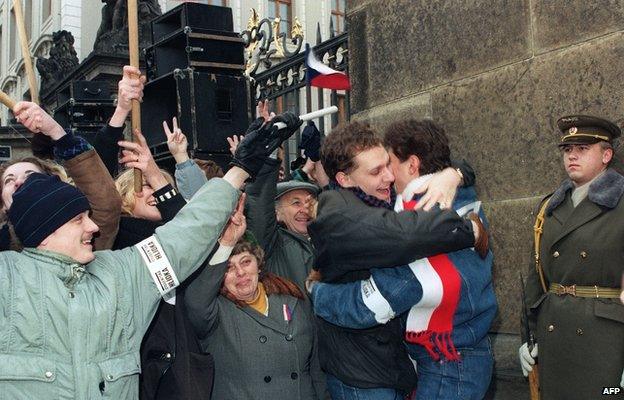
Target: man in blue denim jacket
(446,302)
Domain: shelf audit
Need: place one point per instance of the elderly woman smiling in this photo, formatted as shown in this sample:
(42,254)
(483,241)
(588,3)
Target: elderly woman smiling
(257,326)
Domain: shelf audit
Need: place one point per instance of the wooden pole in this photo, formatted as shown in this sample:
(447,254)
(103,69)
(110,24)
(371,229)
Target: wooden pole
(534,383)
(28,66)
(6,100)
(133,49)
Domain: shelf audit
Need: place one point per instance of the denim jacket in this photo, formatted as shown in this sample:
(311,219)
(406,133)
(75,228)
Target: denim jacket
(393,291)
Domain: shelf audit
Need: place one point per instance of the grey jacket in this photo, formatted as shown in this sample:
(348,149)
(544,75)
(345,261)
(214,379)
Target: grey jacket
(71,331)
(288,254)
(256,356)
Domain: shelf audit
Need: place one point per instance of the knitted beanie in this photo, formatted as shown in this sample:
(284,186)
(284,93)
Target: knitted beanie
(42,205)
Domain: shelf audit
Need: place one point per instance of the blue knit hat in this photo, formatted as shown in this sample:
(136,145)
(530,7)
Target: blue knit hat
(42,205)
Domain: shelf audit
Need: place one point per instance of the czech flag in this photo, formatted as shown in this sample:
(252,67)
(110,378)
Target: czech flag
(320,75)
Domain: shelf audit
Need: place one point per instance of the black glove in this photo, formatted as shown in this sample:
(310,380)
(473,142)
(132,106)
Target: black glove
(255,125)
(251,152)
(311,142)
(278,136)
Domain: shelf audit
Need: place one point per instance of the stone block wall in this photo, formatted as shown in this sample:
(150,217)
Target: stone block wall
(497,75)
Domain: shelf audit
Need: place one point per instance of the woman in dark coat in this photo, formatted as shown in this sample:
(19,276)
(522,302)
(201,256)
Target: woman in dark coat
(258,327)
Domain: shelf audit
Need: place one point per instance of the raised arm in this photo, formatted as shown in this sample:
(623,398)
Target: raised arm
(130,87)
(189,177)
(84,166)
(361,237)
(180,246)
(201,293)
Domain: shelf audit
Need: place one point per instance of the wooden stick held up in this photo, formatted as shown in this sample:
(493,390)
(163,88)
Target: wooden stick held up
(133,49)
(6,100)
(28,66)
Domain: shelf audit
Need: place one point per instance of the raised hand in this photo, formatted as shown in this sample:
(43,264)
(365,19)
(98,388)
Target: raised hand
(233,141)
(262,110)
(176,141)
(440,189)
(37,120)
(129,88)
(138,155)
(235,229)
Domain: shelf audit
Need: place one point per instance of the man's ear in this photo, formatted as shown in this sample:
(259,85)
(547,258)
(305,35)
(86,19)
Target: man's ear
(607,156)
(343,179)
(414,164)
(278,211)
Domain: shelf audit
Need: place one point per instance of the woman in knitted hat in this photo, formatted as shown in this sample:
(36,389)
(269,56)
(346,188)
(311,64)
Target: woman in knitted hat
(258,327)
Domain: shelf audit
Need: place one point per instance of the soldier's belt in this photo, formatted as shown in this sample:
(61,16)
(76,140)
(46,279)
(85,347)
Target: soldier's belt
(584,291)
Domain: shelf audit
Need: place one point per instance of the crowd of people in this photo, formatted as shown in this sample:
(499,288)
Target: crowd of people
(368,275)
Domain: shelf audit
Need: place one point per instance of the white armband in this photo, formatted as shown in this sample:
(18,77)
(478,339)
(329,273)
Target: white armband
(158,264)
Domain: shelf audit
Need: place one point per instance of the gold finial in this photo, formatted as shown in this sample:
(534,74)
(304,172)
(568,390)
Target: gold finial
(254,20)
(276,37)
(297,29)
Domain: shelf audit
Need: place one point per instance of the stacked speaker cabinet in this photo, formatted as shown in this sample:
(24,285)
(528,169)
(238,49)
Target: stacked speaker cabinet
(195,71)
(84,106)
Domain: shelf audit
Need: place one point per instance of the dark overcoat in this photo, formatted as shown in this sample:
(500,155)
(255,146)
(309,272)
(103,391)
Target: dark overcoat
(580,340)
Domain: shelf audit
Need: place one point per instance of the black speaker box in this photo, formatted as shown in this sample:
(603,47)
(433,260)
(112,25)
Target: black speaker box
(85,92)
(205,50)
(209,108)
(193,15)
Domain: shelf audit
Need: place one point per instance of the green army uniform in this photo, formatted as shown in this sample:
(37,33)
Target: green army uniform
(579,322)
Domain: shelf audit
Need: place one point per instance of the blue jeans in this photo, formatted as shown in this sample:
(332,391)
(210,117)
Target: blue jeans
(467,379)
(340,391)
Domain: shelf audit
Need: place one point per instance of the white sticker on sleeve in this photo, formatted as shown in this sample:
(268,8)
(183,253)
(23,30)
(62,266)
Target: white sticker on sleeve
(158,264)
(374,301)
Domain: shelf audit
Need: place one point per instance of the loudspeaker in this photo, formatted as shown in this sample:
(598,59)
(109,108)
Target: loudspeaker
(192,15)
(205,50)
(209,108)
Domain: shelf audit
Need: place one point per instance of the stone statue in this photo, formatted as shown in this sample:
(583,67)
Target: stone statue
(112,36)
(62,61)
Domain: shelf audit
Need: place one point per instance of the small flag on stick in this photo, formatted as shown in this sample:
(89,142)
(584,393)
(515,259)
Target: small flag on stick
(320,75)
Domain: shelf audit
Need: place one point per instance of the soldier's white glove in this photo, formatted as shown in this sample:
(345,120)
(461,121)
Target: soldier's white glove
(622,381)
(527,360)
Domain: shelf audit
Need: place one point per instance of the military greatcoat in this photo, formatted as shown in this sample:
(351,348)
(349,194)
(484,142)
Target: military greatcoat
(580,339)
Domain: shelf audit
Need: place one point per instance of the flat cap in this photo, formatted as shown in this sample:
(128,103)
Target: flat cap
(289,186)
(586,129)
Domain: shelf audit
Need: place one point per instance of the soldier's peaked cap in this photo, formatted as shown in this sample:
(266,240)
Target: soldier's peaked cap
(586,129)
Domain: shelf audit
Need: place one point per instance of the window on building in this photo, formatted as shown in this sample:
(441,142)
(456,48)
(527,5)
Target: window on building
(13,39)
(46,10)
(282,9)
(338,15)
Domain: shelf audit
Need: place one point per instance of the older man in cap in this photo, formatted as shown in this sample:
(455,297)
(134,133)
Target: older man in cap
(278,214)
(573,289)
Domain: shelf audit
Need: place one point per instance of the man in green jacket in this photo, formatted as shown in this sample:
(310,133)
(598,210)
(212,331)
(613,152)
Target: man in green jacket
(71,320)
(573,292)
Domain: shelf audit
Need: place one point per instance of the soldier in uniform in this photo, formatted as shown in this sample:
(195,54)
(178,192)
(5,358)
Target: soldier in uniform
(573,289)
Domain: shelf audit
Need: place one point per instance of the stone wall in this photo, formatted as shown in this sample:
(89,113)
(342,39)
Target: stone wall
(497,75)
